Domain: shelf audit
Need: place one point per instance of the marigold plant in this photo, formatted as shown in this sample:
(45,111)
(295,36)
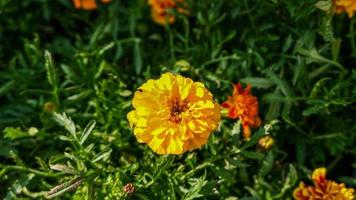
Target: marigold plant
(244,106)
(173,114)
(323,189)
(87,4)
(348,6)
(160,10)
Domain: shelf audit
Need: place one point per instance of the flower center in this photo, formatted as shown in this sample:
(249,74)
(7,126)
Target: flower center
(177,107)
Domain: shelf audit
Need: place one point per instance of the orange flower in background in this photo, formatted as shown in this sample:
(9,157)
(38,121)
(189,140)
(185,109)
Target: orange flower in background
(323,189)
(348,6)
(160,10)
(244,106)
(173,114)
(87,4)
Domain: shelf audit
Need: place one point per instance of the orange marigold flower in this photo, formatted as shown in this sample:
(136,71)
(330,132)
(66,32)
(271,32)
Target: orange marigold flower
(323,189)
(348,6)
(244,106)
(87,4)
(160,10)
(173,114)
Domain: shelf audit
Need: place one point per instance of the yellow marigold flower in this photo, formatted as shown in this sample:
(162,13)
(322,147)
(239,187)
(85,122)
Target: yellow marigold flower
(244,106)
(173,114)
(87,4)
(348,6)
(266,142)
(323,189)
(160,10)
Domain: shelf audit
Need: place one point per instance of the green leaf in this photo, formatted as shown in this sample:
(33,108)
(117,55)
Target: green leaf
(267,164)
(314,56)
(224,174)
(14,133)
(281,83)
(289,182)
(16,158)
(348,180)
(106,48)
(88,129)
(318,87)
(18,185)
(64,168)
(79,97)
(236,132)
(137,57)
(194,191)
(252,155)
(102,155)
(67,123)
(254,139)
(258,82)
(51,76)
(4,88)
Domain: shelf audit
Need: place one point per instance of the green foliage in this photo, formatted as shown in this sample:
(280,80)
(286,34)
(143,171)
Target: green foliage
(58,64)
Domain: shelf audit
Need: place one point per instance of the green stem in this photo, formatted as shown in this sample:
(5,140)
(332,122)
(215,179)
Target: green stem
(3,171)
(55,95)
(33,195)
(171,41)
(198,168)
(25,169)
(187,33)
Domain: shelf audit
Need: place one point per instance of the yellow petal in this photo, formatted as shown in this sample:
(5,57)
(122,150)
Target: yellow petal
(131,116)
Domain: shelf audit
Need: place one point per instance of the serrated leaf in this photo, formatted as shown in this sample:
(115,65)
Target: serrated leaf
(51,76)
(67,123)
(194,191)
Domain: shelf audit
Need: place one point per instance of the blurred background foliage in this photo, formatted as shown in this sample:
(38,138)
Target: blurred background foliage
(53,58)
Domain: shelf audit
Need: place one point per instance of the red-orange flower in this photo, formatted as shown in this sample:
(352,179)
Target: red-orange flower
(87,4)
(244,106)
(160,10)
(323,189)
